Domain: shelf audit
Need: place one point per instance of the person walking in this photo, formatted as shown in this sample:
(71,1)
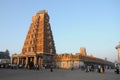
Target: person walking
(98,68)
(117,69)
(51,68)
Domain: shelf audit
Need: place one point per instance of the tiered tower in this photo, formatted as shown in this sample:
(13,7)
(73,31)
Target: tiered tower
(39,38)
(39,45)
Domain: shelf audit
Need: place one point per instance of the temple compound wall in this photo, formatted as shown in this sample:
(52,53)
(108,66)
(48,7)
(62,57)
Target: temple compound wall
(67,61)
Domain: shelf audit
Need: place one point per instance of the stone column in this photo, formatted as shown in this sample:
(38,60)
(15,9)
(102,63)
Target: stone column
(35,60)
(11,60)
(40,62)
(26,62)
(22,61)
(18,61)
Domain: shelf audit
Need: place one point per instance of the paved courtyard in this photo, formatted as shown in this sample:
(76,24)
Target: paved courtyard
(57,74)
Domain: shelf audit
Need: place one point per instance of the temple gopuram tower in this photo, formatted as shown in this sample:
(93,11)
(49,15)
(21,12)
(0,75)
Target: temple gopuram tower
(39,38)
(39,44)
(83,51)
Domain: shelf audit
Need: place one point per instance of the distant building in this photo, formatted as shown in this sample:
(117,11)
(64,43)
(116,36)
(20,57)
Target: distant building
(118,49)
(4,57)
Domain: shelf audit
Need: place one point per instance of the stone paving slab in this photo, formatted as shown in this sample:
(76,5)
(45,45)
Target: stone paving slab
(57,74)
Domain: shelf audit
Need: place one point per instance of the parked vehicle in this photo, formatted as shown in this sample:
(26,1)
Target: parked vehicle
(4,63)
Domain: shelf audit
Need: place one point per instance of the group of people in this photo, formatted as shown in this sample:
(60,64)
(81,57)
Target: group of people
(32,66)
(89,68)
(92,68)
(36,66)
(101,69)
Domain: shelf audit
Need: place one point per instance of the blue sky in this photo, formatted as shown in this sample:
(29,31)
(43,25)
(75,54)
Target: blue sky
(93,24)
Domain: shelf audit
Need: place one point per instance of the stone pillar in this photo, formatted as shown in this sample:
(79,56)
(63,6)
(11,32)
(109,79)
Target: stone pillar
(22,61)
(18,59)
(35,60)
(11,60)
(41,62)
(73,63)
(26,62)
